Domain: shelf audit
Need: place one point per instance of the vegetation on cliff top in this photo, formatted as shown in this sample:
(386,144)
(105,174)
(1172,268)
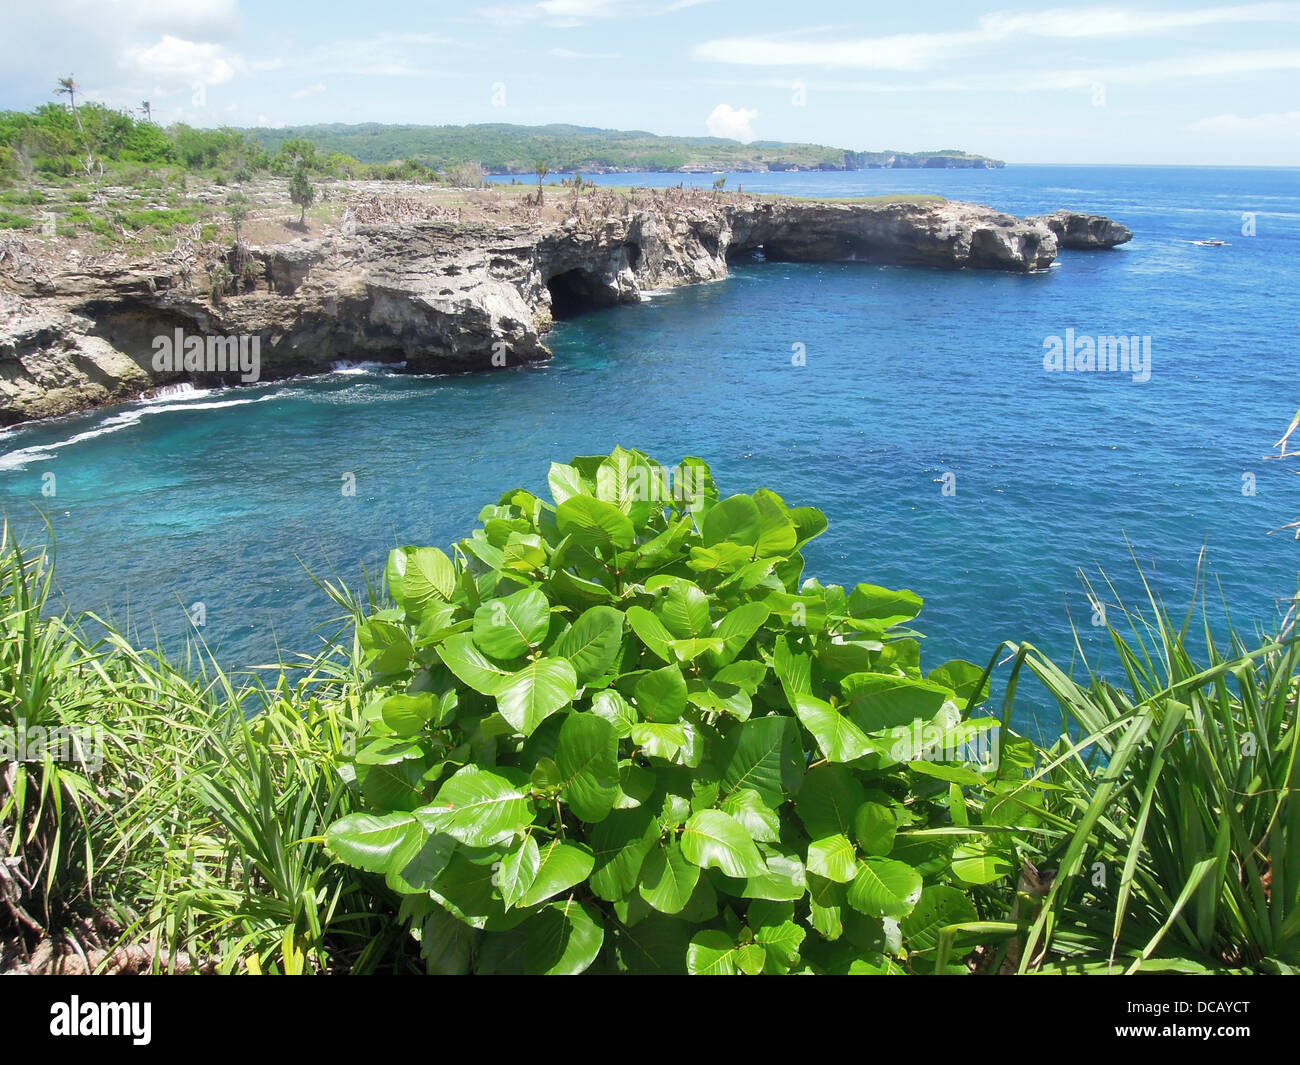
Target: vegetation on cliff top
(620,731)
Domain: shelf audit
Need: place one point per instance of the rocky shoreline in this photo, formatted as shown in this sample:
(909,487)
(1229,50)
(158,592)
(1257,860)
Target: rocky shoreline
(438,294)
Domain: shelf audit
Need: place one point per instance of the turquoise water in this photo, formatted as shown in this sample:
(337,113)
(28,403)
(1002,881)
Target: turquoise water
(223,498)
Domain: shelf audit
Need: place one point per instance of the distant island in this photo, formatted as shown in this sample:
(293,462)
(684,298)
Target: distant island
(501,148)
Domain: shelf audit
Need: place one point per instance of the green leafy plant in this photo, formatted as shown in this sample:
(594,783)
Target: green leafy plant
(617,732)
(1173,815)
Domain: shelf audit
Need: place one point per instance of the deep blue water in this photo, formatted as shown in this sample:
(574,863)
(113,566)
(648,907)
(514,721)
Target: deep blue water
(911,375)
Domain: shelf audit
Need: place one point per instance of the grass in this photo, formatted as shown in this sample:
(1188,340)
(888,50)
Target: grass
(1172,810)
(184,832)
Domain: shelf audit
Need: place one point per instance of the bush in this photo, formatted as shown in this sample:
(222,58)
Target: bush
(1178,801)
(617,733)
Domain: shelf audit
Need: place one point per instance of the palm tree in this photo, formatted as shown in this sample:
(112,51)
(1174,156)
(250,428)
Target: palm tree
(68,87)
(148,111)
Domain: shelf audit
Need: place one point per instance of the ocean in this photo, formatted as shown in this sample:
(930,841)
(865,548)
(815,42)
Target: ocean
(922,421)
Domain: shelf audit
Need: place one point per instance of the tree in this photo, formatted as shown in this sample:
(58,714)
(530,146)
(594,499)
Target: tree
(542,170)
(719,185)
(68,87)
(302,191)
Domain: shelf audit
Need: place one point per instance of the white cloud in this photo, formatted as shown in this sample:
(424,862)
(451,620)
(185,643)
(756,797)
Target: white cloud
(566,13)
(174,64)
(1274,124)
(568,53)
(309,90)
(731,122)
(921,51)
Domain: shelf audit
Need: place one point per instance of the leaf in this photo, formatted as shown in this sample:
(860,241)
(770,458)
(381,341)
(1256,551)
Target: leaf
(884,888)
(592,643)
(560,866)
(839,738)
(776,532)
(877,701)
(517,872)
(668,879)
(565,481)
(776,932)
(826,907)
(735,520)
(736,629)
(750,958)
(874,827)
(563,939)
(684,608)
(620,844)
(594,523)
(762,754)
(651,632)
(510,627)
(587,756)
(761,822)
(370,841)
(828,800)
(938,906)
(659,740)
(478,808)
(834,858)
(869,601)
(538,690)
(470,665)
(713,840)
(793,670)
(610,705)
(661,695)
(418,577)
(711,953)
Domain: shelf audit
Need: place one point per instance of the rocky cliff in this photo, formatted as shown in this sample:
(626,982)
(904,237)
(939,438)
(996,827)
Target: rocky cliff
(439,295)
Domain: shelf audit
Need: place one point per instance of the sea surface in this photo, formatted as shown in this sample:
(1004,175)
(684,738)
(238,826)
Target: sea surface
(947,458)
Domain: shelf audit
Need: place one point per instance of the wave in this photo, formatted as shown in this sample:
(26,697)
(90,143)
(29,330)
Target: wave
(183,390)
(346,368)
(16,460)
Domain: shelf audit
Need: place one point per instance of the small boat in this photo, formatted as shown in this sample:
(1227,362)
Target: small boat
(1209,243)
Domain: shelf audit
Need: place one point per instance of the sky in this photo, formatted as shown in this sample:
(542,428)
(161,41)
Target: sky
(1147,83)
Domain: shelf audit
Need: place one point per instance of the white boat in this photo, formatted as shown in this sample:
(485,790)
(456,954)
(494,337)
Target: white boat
(1209,243)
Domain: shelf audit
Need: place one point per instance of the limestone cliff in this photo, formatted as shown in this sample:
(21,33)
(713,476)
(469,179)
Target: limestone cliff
(443,295)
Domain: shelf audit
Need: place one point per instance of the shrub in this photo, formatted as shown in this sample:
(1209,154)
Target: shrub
(1181,793)
(616,733)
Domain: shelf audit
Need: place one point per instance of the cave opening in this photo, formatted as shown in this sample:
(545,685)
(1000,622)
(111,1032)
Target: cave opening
(577,291)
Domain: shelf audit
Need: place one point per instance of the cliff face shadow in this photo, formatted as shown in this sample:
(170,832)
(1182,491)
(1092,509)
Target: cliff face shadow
(577,291)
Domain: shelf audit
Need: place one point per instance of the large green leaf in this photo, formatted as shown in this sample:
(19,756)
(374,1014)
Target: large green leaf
(683,608)
(828,799)
(714,840)
(562,939)
(594,523)
(651,632)
(736,629)
(886,607)
(479,808)
(620,844)
(587,756)
(560,866)
(542,687)
(661,695)
(668,879)
(470,665)
(371,841)
(833,857)
(839,738)
(712,953)
(762,754)
(735,520)
(884,888)
(592,643)
(777,534)
(939,905)
(418,577)
(507,628)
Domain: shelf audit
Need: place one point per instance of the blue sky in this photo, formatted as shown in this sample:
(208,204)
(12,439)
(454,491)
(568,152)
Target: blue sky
(1155,82)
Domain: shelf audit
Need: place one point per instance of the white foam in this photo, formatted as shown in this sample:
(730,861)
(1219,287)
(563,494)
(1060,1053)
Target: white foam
(352,369)
(183,390)
(16,460)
